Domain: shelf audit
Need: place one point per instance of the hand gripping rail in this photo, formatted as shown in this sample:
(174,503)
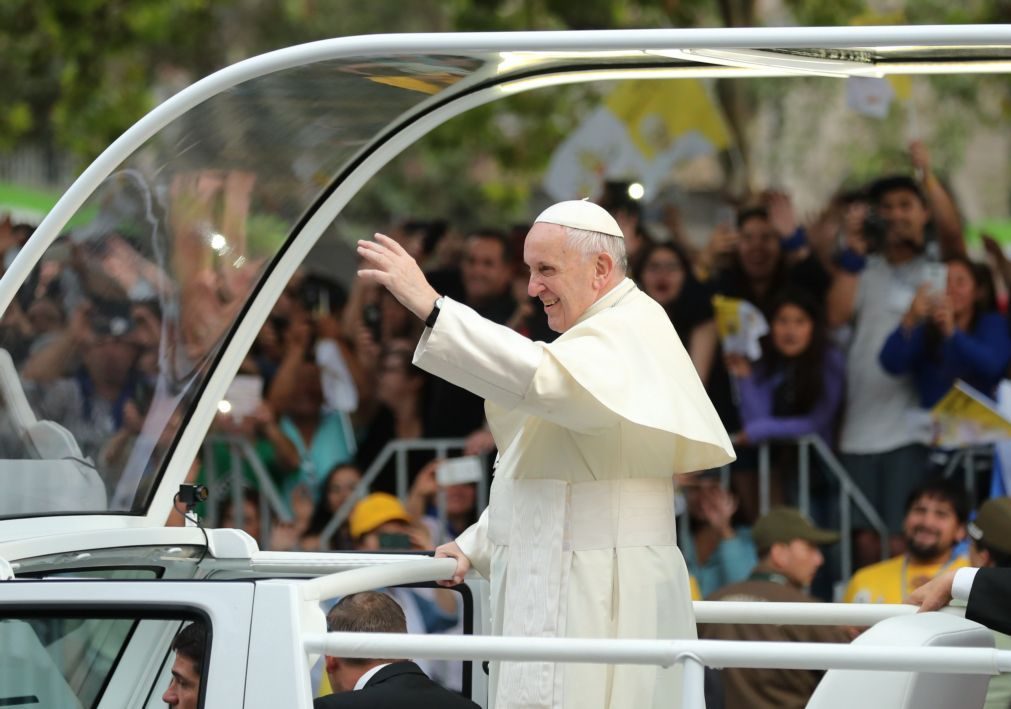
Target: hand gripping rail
(693,653)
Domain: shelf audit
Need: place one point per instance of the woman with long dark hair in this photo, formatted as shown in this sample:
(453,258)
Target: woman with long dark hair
(955,335)
(796,388)
(664,272)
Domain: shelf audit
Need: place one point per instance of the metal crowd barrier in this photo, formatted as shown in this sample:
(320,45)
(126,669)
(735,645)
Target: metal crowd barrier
(271,500)
(398,451)
(850,494)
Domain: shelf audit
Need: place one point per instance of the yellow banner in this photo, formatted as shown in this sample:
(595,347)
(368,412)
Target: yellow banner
(966,417)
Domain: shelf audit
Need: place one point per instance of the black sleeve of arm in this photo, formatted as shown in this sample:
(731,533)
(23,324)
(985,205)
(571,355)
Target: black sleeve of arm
(990,599)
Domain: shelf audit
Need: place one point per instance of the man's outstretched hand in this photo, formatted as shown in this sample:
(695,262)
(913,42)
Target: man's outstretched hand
(935,594)
(387,263)
(452,551)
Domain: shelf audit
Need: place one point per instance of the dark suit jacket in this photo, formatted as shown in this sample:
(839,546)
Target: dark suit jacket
(990,599)
(401,685)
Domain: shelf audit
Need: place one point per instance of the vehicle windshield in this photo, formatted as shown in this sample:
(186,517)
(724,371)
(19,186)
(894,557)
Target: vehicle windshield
(110,339)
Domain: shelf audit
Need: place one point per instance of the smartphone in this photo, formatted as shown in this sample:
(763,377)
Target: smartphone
(935,275)
(372,317)
(727,215)
(459,471)
(244,394)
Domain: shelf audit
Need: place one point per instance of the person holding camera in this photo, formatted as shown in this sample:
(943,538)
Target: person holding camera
(883,450)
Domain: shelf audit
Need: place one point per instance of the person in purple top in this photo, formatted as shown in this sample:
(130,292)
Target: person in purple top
(796,388)
(954,335)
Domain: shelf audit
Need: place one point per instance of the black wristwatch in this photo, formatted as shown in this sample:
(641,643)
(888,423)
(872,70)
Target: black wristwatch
(434,315)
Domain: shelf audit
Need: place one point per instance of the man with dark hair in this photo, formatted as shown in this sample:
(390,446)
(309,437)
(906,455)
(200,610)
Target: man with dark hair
(986,585)
(484,283)
(936,514)
(882,438)
(184,690)
(377,683)
(788,559)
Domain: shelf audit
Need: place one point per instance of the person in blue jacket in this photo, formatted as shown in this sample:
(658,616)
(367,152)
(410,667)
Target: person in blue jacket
(955,335)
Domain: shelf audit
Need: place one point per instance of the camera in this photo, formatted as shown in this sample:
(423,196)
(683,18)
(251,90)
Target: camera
(373,319)
(875,230)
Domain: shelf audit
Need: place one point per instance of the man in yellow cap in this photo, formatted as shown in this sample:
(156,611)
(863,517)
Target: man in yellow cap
(380,521)
(789,556)
(579,536)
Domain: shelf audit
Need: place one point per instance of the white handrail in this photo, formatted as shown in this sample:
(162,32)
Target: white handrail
(764,612)
(743,612)
(367,578)
(714,653)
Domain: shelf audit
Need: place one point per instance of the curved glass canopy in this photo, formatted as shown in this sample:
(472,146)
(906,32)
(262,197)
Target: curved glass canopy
(120,334)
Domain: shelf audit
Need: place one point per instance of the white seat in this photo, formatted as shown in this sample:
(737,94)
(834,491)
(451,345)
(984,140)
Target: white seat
(55,476)
(909,690)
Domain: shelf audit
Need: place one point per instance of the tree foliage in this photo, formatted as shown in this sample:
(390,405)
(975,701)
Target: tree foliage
(79,72)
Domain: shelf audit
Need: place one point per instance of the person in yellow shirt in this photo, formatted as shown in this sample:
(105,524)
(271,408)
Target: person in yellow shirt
(934,524)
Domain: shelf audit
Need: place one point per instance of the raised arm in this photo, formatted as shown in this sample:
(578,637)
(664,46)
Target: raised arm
(842,298)
(950,236)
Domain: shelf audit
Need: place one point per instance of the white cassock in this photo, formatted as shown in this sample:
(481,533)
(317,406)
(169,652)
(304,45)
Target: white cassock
(579,537)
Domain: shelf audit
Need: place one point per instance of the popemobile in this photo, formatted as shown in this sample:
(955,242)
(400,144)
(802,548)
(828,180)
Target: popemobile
(201,213)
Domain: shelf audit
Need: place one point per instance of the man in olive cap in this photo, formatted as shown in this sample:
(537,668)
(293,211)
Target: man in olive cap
(579,536)
(789,556)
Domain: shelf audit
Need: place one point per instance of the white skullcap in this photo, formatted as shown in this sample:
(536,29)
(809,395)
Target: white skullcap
(581,214)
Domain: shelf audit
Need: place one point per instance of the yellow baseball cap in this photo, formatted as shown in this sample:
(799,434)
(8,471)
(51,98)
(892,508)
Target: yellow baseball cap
(373,511)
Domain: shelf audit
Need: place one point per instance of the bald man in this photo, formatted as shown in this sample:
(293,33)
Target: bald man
(579,537)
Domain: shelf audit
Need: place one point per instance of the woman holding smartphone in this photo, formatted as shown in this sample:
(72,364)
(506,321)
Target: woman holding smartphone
(957,334)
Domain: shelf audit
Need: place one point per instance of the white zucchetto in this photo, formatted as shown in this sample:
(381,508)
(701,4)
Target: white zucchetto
(581,214)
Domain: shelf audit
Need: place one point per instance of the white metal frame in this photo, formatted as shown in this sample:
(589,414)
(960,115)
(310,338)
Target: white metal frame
(664,653)
(592,41)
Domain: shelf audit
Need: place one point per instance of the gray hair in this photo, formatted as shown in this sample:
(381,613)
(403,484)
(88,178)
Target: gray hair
(591,243)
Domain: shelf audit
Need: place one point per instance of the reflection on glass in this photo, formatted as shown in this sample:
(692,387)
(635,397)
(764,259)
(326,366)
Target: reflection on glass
(112,335)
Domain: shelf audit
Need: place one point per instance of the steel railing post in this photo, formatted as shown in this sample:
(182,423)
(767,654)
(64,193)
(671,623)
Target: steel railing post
(804,476)
(693,682)
(764,475)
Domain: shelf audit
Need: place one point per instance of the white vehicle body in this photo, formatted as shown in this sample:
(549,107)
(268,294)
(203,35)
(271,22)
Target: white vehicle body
(260,615)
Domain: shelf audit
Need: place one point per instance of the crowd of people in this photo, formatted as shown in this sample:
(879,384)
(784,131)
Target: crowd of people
(874,311)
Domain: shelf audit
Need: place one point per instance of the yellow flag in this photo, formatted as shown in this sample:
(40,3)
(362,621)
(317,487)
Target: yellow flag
(966,417)
(658,113)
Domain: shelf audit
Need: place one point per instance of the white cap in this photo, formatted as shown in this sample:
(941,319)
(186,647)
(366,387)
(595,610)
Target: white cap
(581,214)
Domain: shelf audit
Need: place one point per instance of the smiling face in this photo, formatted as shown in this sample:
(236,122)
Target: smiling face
(931,528)
(792,329)
(905,216)
(561,277)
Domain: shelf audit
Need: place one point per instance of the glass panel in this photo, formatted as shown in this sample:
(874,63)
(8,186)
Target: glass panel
(68,660)
(114,333)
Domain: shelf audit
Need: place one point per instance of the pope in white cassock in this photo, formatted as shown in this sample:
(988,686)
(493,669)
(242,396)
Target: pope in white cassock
(579,537)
